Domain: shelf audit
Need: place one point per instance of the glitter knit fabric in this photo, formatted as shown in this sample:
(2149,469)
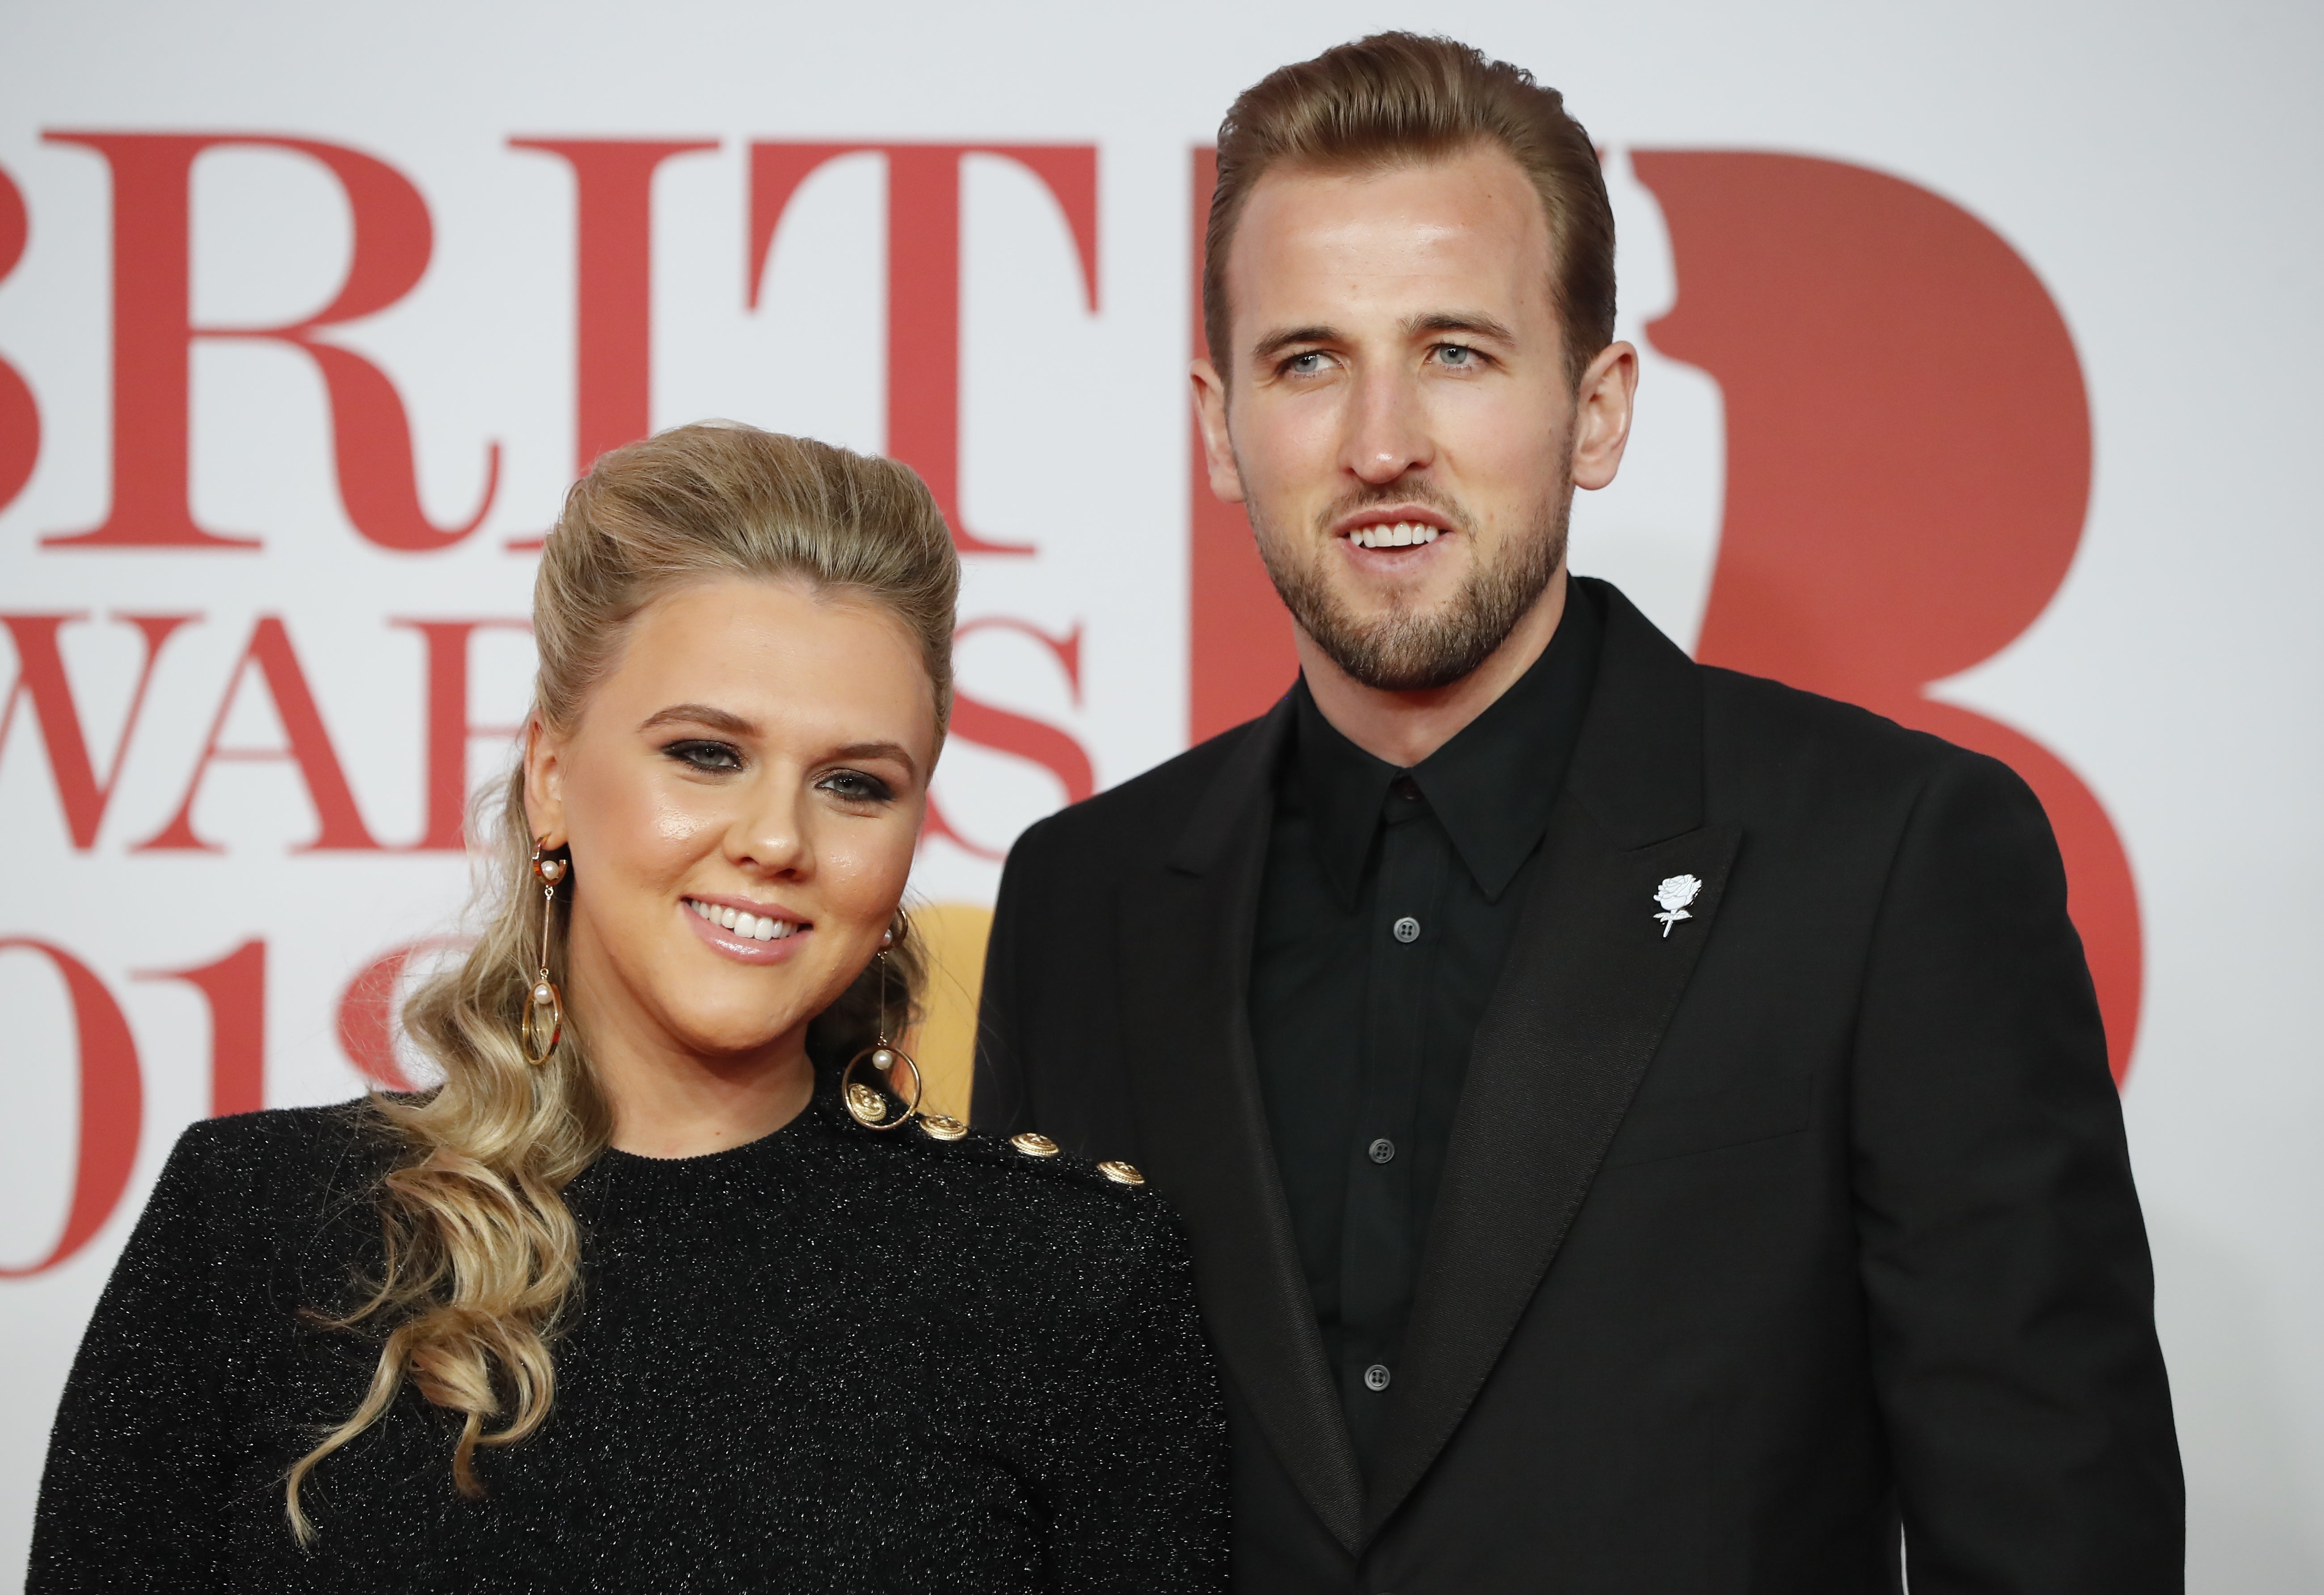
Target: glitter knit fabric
(830,1360)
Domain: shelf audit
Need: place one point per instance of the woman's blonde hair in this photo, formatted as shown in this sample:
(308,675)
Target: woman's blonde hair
(482,1257)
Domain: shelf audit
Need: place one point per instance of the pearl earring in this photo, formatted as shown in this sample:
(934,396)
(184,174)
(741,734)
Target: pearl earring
(544,1006)
(867,1102)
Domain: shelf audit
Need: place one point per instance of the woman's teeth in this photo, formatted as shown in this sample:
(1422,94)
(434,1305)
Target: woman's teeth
(1404,534)
(758,928)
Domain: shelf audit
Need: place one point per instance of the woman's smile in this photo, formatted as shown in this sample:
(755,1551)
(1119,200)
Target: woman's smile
(748,934)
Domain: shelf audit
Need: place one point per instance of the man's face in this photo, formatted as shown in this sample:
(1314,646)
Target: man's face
(1399,420)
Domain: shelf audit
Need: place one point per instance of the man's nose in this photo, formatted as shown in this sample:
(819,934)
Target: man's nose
(1388,432)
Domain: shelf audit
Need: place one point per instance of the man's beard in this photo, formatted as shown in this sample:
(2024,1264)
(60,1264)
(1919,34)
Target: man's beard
(1406,649)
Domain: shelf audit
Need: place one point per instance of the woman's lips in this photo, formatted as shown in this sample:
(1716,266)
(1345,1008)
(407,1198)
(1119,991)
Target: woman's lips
(744,948)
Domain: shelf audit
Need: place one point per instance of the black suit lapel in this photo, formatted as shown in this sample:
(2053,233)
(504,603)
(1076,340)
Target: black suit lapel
(1186,954)
(1591,983)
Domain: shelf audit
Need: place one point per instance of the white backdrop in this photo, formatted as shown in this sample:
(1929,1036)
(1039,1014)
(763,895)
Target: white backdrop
(2156,167)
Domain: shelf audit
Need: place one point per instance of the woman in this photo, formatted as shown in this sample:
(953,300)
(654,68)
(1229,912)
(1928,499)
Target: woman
(667,1285)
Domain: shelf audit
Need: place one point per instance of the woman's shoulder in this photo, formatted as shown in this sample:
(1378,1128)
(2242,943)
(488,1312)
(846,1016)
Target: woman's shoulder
(252,1193)
(1038,1242)
(280,1157)
(1025,1188)
(1028,1166)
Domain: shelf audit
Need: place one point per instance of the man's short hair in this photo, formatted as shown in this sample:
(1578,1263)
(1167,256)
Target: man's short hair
(1394,100)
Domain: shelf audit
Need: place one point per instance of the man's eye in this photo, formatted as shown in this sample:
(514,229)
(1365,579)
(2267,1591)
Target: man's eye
(705,755)
(1460,355)
(1307,364)
(852,785)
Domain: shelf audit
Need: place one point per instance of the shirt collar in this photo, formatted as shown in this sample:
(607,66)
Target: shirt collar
(1492,787)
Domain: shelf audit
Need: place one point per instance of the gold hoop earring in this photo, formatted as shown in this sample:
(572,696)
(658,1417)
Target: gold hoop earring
(544,1006)
(869,1104)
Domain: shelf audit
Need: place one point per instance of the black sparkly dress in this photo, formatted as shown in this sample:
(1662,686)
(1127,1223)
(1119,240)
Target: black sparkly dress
(831,1359)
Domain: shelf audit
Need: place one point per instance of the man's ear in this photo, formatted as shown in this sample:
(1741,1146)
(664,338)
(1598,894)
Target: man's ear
(544,784)
(1211,415)
(1602,407)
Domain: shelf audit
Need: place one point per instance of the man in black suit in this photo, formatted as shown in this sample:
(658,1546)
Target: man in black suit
(1641,1127)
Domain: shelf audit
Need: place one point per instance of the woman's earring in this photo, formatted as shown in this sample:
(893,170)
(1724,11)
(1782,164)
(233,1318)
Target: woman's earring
(868,1103)
(544,1007)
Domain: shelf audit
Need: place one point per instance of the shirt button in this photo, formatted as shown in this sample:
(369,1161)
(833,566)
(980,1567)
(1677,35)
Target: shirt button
(1406,929)
(1376,1376)
(1383,1150)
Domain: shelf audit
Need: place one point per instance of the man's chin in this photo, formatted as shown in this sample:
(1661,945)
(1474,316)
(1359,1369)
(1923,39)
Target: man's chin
(1406,654)
(1388,599)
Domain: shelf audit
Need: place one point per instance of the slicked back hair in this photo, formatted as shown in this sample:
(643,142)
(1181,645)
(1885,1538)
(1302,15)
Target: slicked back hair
(1398,99)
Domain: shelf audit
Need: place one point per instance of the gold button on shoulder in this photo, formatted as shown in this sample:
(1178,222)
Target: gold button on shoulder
(1034,1145)
(942,1126)
(1121,1174)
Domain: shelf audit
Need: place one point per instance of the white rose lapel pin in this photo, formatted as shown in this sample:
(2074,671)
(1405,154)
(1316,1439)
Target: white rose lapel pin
(1674,894)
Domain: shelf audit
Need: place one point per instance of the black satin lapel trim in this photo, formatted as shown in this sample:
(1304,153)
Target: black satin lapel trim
(1185,980)
(1637,764)
(1590,987)
(1237,801)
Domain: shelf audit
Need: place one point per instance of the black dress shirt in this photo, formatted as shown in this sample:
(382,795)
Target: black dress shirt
(1388,902)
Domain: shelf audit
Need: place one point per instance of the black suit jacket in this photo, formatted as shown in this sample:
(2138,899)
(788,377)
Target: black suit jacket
(1762,1231)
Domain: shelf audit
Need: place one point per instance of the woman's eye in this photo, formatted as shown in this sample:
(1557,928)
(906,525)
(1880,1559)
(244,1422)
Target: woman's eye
(852,785)
(703,755)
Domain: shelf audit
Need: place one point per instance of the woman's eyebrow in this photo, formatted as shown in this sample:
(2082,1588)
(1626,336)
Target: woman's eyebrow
(702,715)
(878,751)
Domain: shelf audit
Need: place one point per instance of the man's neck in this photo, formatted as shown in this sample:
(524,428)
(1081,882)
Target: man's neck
(1403,728)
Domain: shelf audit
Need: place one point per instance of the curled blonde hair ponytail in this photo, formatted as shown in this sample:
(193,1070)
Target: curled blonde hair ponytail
(482,1258)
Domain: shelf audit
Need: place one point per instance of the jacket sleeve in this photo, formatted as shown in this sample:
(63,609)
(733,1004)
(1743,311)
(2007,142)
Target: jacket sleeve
(1134,1469)
(134,1493)
(999,1099)
(2004,1259)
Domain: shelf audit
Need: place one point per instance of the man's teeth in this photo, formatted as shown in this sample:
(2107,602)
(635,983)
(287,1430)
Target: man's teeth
(758,928)
(1404,534)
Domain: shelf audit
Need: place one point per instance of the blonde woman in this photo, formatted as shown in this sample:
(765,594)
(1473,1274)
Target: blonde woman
(667,1285)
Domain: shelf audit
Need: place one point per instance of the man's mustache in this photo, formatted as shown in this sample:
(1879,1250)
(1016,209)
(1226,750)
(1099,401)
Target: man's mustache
(1404,490)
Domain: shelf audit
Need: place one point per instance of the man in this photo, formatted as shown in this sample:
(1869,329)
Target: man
(1640,1128)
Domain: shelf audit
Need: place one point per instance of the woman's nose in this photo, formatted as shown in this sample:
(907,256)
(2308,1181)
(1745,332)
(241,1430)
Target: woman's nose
(770,835)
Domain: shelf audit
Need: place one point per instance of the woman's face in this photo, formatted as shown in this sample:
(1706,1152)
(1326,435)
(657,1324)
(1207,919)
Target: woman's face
(742,794)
